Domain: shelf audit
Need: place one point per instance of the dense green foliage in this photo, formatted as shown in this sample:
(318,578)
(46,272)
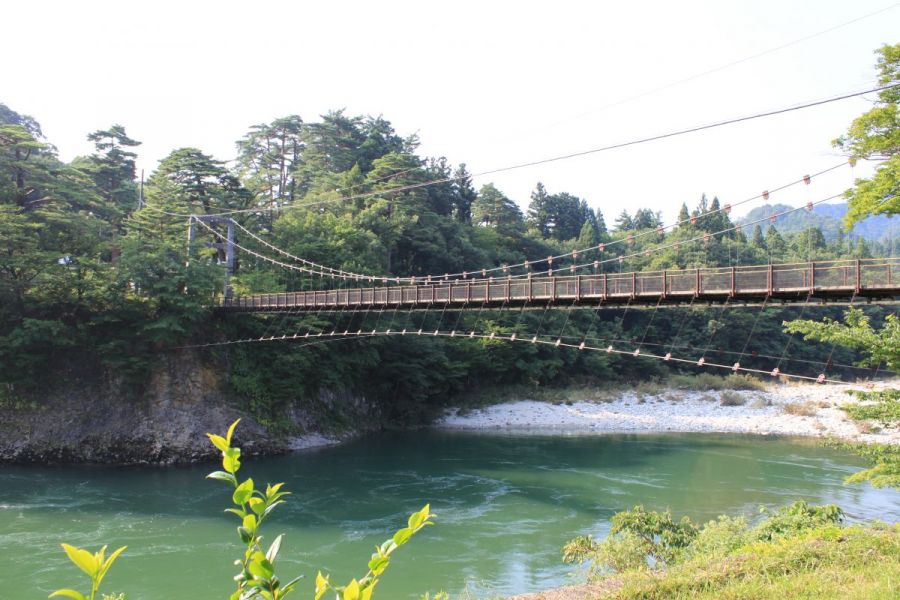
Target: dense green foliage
(641,539)
(876,135)
(799,549)
(94,278)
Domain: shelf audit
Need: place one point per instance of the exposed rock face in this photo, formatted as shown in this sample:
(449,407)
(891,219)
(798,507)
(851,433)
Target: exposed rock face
(85,420)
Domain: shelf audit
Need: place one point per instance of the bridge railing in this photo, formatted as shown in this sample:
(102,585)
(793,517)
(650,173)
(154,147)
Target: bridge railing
(842,276)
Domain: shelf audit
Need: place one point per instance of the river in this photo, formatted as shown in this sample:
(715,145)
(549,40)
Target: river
(505,506)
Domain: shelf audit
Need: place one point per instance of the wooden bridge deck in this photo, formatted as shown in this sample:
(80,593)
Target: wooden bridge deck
(869,278)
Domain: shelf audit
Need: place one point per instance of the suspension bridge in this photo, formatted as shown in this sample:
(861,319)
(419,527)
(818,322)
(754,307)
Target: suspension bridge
(564,281)
(874,279)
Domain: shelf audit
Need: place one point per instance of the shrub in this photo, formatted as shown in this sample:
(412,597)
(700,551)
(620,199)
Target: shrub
(885,461)
(617,553)
(648,388)
(800,409)
(797,517)
(760,403)
(719,537)
(882,407)
(729,398)
(707,382)
(640,537)
(636,536)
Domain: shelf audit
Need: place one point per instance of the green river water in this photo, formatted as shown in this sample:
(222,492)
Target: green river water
(505,506)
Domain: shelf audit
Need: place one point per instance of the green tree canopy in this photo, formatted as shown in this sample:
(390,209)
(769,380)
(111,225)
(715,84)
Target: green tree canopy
(875,135)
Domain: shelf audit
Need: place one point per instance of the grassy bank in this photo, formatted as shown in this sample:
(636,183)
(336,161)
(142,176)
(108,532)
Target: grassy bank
(828,562)
(800,551)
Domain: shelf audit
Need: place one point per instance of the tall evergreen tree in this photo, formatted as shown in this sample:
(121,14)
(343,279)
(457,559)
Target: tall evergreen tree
(758,241)
(602,231)
(539,212)
(775,244)
(465,194)
(267,156)
(493,209)
(112,168)
(624,222)
(684,216)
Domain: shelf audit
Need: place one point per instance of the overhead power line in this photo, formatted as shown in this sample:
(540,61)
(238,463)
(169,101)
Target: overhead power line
(722,67)
(552,159)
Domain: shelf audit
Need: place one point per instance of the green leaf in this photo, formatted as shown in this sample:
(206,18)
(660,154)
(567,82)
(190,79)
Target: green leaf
(223,476)
(243,492)
(378,564)
(108,563)
(257,505)
(83,559)
(271,489)
(351,592)
(230,460)
(272,552)
(289,586)
(245,534)
(402,536)
(271,507)
(69,594)
(231,432)
(237,511)
(250,523)
(218,441)
(321,585)
(260,566)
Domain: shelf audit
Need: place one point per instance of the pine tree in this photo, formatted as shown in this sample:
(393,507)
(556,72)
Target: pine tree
(267,155)
(465,195)
(757,241)
(684,217)
(539,214)
(112,167)
(624,222)
(775,243)
(602,231)
(493,209)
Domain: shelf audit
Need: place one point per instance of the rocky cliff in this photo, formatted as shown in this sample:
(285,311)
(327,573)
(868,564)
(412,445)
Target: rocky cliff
(78,418)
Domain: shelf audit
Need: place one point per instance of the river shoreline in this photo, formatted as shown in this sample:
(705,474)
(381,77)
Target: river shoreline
(791,410)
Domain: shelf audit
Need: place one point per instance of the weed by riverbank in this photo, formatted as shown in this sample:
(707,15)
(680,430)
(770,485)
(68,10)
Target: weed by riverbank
(726,559)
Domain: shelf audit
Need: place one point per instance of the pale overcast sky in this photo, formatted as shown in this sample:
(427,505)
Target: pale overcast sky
(486,83)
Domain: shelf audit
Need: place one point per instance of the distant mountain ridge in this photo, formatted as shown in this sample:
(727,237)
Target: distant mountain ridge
(826,217)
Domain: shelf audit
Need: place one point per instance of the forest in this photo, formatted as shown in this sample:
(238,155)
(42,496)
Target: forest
(95,274)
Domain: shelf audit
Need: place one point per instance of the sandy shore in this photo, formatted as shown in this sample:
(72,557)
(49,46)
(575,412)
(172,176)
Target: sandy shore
(801,410)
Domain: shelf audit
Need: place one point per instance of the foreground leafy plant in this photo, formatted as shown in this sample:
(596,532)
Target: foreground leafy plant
(257,567)
(95,565)
(256,578)
(363,588)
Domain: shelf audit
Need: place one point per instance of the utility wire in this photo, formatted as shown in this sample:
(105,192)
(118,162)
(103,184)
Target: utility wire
(513,167)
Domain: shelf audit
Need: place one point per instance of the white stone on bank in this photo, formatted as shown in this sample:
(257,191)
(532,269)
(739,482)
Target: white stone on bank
(677,411)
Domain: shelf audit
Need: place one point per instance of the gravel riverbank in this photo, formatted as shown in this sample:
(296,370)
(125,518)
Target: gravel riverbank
(779,409)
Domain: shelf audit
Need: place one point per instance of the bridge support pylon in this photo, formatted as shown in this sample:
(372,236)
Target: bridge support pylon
(226,247)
